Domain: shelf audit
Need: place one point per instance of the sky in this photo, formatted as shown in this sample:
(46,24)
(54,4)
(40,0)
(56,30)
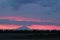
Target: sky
(31,13)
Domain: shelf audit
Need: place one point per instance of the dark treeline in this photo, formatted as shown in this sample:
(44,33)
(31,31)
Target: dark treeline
(30,31)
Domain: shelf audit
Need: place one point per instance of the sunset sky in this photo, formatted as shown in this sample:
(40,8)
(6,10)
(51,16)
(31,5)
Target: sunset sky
(33,14)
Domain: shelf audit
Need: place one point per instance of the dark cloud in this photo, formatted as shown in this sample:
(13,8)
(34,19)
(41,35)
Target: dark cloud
(42,9)
(15,3)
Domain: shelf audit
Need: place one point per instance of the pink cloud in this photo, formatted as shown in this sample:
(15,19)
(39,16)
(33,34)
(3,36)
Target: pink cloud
(20,18)
(44,27)
(33,27)
(9,26)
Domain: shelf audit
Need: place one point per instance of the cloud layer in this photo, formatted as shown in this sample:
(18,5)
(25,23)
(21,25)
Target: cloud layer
(42,9)
(19,23)
(31,10)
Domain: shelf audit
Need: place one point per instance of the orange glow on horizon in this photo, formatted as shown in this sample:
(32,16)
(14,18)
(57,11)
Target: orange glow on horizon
(44,27)
(9,26)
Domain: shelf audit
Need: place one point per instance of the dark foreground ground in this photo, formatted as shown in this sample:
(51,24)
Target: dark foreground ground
(30,35)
